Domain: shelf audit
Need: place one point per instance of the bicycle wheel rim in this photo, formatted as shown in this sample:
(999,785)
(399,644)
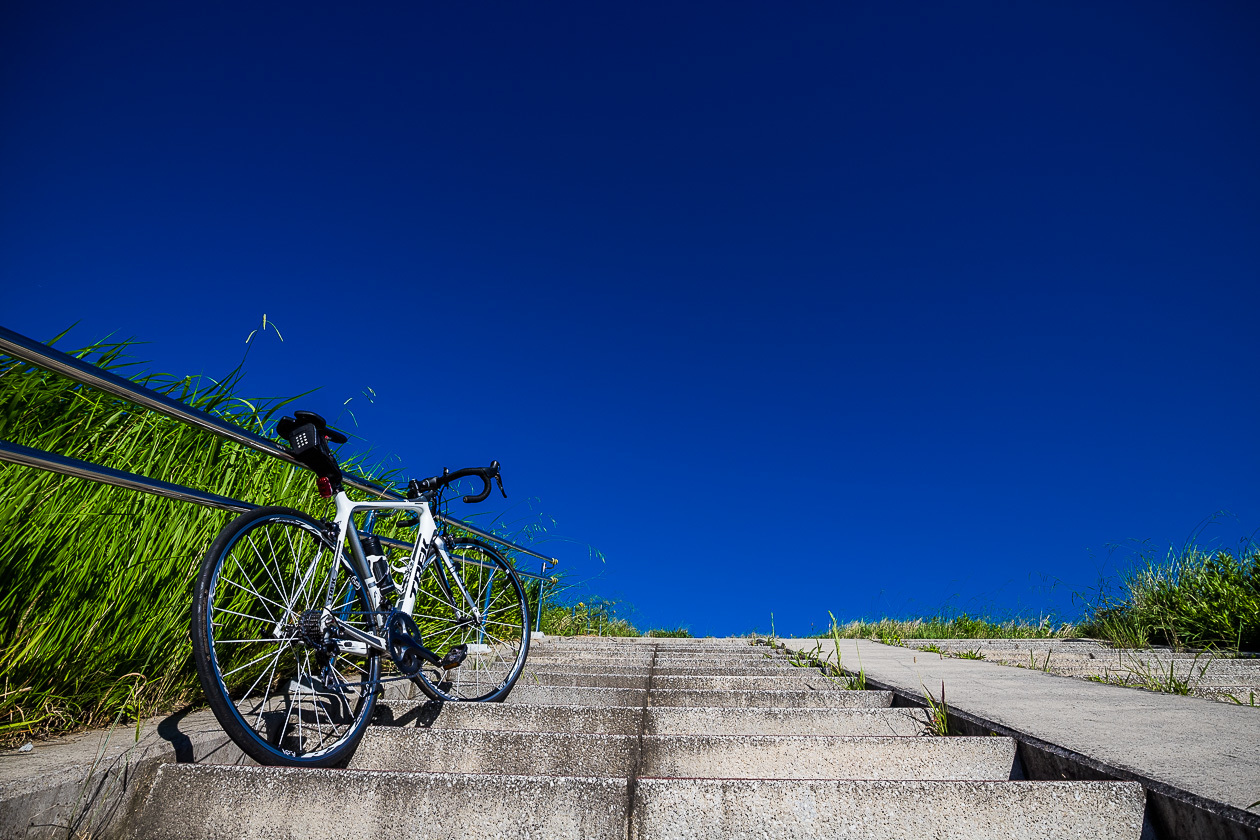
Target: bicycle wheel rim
(291,701)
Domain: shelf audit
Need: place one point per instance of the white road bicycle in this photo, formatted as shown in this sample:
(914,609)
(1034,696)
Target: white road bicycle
(294,620)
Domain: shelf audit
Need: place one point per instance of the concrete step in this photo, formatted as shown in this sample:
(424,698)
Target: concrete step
(190,802)
(802,680)
(772,698)
(636,657)
(676,756)
(520,717)
(565,695)
(254,802)
(699,720)
(681,720)
(799,680)
(593,680)
(643,642)
(769,669)
(677,661)
(725,809)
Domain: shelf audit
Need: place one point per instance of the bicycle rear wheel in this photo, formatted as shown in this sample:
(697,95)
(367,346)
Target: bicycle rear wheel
(266,652)
(496,640)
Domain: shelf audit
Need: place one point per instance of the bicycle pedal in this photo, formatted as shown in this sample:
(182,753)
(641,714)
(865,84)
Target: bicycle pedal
(454,657)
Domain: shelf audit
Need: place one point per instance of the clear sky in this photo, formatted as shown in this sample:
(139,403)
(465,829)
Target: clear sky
(786,308)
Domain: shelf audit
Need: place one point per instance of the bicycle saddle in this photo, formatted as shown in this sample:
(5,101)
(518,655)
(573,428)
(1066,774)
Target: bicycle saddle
(287,425)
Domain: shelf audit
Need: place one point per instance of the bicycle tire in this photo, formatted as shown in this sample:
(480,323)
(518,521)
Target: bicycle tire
(498,645)
(258,612)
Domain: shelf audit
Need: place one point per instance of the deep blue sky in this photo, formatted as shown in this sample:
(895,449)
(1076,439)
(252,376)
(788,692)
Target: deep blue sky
(784,307)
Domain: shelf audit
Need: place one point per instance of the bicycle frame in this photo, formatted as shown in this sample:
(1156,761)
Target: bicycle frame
(426,537)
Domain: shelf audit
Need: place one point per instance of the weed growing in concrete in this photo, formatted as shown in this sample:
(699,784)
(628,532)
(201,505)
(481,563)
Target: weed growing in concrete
(970,654)
(1152,675)
(938,712)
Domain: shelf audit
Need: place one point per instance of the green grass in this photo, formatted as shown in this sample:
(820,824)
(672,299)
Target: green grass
(896,631)
(1191,599)
(667,633)
(94,610)
(594,617)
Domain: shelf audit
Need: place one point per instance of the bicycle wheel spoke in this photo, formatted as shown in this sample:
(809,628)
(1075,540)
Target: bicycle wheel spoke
(266,566)
(497,642)
(245,616)
(246,665)
(301,703)
(260,597)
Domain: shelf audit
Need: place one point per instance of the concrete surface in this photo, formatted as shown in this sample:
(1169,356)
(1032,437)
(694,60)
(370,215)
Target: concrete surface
(771,699)
(717,756)
(75,785)
(1224,678)
(700,809)
(1200,747)
(607,760)
(680,720)
(271,803)
(683,720)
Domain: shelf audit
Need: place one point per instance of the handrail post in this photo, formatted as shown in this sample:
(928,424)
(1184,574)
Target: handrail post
(542,583)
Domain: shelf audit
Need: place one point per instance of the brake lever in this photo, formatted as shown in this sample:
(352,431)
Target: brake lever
(499,479)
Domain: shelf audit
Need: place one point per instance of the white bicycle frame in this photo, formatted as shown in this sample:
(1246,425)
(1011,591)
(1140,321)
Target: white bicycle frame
(426,537)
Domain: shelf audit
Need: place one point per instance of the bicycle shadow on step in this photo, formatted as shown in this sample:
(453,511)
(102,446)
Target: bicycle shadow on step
(420,717)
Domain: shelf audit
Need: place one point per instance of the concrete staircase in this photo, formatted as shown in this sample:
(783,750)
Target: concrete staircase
(648,738)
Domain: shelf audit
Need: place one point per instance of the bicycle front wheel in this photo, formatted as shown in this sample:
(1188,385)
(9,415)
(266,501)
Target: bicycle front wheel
(495,636)
(280,682)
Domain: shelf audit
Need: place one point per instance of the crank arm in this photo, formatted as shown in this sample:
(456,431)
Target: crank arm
(425,654)
(357,635)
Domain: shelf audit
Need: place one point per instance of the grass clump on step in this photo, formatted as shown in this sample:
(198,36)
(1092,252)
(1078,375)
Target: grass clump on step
(896,631)
(594,617)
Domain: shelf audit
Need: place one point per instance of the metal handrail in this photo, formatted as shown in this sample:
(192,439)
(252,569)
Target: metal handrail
(41,355)
(48,358)
(486,535)
(15,453)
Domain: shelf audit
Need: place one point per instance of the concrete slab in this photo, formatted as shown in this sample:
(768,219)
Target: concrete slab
(826,757)
(80,785)
(678,720)
(768,699)
(801,680)
(521,717)
(684,720)
(699,809)
(677,756)
(553,695)
(485,751)
(769,669)
(268,803)
(561,666)
(702,670)
(592,680)
(1180,747)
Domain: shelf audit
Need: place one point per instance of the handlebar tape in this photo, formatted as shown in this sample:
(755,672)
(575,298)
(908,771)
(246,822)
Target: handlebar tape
(486,474)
